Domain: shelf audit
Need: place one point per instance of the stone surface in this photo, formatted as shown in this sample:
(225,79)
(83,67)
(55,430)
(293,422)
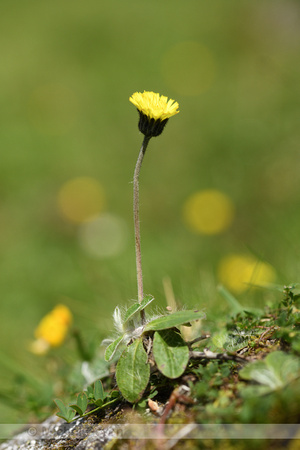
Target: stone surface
(55,433)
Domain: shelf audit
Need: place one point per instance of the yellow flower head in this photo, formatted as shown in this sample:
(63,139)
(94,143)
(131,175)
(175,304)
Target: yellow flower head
(155,106)
(52,329)
(154,110)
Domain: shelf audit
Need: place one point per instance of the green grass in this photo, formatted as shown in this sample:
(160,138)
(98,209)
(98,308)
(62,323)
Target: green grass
(241,136)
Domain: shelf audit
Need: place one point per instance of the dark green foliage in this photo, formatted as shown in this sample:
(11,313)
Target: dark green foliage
(174,320)
(88,402)
(265,388)
(133,371)
(170,352)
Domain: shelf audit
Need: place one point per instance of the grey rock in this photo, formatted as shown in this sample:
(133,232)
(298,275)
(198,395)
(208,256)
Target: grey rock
(55,433)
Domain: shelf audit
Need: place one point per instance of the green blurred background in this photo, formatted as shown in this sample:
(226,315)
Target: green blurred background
(67,71)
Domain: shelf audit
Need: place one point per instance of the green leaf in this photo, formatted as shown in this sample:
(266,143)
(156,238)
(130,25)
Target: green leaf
(276,371)
(65,412)
(111,349)
(81,404)
(170,352)
(98,391)
(90,392)
(133,371)
(174,320)
(114,394)
(62,407)
(77,409)
(82,401)
(220,338)
(136,307)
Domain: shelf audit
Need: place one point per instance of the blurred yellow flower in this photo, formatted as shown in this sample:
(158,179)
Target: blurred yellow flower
(237,272)
(80,199)
(155,106)
(208,212)
(52,329)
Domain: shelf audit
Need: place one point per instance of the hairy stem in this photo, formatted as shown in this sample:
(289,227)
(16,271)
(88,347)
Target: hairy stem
(138,256)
